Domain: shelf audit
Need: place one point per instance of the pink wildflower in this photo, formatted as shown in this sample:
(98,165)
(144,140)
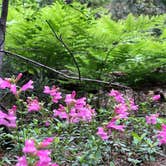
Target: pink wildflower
(80,102)
(76,110)
(9,119)
(47,123)
(18,77)
(22,161)
(162,135)
(46,142)
(117,96)
(12,121)
(44,158)
(101,133)
(86,113)
(114,93)
(12,116)
(2,115)
(56,97)
(61,112)
(13,89)
(27,86)
(4,122)
(133,106)
(70,98)
(33,105)
(156,97)
(152,119)
(13,109)
(4,84)
(121,111)
(112,124)
(54,164)
(29,146)
(53,92)
(47,90)
(73,116)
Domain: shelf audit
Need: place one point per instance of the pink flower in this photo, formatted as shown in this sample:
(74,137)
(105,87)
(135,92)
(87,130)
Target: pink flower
(112,124)
(156,97)
(51,91)
(12,121)
(74,118)
(44,158)
(2,115)
(56,97)
(114,93)
(121,111)
(13,109)
(18,77)
(46,142)
(4,84)
(152,119)
(76,110)
(27,86)
(47,123)
(47,90)
(22,161)
(4,122)
(162,135)
(9,119)
(12,116)
(33,105)
(133,106)
(101,133)
(54,92)
(29,146)
(86,113)
(80,102)
(70,98)
(117,96)
(40,163)
(61,112)
(13,89)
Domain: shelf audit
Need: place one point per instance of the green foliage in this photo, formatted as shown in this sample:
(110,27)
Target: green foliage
(101,46)
(76,142)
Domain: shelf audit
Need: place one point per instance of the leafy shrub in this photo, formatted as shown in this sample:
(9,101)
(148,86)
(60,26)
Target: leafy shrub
(70,125)
(101,46)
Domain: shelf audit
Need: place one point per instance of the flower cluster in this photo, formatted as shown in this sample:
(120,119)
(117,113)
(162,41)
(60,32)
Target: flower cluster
(152,119)
(9,83)
(162,135)
(53,92)
(156,97)
(33,105)
(76,110)
(38,151)
(8,119)
(121,111)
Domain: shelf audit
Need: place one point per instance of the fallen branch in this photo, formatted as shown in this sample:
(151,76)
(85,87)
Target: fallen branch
(63,74)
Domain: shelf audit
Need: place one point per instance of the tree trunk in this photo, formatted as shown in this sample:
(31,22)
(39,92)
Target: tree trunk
(3,20)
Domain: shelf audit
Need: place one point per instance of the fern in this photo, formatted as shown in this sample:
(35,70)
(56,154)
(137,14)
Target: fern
(135,46)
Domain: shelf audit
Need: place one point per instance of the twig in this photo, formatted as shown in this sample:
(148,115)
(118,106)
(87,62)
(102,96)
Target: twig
(59,38)
(61,73)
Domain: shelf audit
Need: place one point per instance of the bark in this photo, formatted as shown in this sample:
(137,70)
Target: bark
(3,20)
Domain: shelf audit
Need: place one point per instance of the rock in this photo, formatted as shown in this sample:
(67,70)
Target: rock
(121,8)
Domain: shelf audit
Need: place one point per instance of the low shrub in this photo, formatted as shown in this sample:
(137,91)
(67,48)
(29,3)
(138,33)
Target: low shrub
(68,131)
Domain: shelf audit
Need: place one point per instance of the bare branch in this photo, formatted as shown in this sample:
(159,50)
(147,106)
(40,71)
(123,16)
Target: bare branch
(63,74)
(59,38)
